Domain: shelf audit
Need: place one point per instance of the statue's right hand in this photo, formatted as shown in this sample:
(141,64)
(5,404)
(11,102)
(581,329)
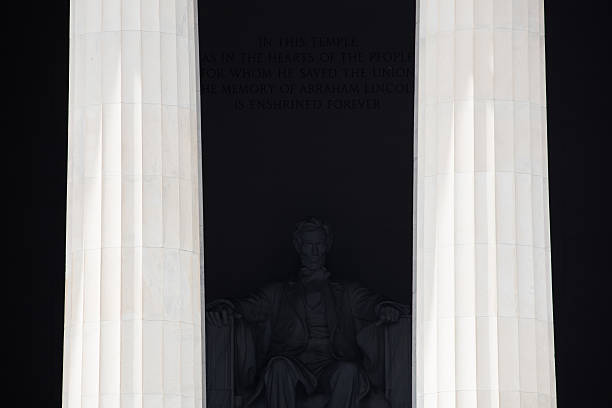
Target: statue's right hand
(220,317)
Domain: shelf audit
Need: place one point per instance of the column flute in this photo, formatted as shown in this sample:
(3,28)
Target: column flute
(132,313)
(483,305)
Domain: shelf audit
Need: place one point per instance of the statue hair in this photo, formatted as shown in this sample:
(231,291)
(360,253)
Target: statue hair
(312,224)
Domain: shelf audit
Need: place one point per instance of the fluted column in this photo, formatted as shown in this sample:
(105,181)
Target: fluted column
(132,313)
(483,306)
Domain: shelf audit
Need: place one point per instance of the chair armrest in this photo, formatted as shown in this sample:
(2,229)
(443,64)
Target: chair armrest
(398,362)
(219,365)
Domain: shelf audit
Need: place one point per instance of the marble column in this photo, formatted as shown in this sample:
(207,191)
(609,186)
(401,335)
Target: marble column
(132,313)
(483,306)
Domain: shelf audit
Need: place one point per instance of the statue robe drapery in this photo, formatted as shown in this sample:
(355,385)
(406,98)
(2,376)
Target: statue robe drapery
(273,324)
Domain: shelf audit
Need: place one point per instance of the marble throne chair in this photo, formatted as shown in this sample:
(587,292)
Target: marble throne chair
(222,378)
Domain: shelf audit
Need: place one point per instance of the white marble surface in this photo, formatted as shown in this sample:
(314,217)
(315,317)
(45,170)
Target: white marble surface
(132,313)
(482,289)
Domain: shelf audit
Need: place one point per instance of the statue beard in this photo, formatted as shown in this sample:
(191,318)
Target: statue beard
(313,263)
(313,269)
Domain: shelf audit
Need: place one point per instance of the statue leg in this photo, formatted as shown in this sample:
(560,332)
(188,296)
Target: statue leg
(341,381)
(280,382)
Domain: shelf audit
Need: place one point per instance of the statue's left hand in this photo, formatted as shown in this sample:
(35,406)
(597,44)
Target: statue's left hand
(387,314)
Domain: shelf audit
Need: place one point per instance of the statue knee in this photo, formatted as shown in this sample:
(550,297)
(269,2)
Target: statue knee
(347,370)
(278,369)
(374,400)
(279,365)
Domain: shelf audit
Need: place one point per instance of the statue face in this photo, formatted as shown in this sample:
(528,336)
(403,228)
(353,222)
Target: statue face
(312,249)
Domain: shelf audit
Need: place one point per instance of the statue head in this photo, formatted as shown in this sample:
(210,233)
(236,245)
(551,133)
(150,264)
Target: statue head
(312,240)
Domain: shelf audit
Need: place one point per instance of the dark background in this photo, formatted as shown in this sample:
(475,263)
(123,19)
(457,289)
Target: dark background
(266,170)
(367,196)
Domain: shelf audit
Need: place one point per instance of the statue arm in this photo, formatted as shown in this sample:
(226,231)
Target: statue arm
(367,304)
(258,306)
(364,302)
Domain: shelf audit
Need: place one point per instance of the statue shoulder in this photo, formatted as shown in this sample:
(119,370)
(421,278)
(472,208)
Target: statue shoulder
(343,286)
(273,288)
(357,290)
(346,284)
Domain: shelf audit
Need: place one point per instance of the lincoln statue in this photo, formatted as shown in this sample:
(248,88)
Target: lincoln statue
(311,336)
